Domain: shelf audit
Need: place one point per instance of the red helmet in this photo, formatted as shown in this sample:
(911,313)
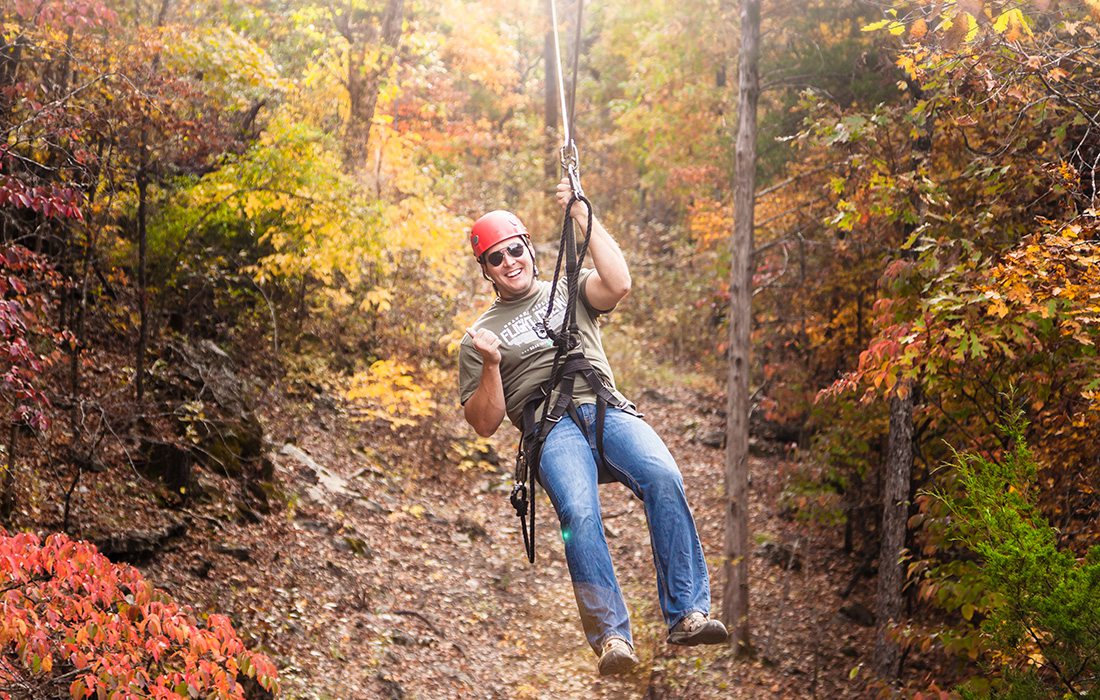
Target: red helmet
(493,228)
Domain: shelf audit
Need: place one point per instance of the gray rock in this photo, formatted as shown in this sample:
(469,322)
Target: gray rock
(715,439)
(781,555)
(402,638)
(139,546)
(328,483)
(859,614)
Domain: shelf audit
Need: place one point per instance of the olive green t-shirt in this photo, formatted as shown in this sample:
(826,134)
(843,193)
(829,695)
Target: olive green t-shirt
(526,354)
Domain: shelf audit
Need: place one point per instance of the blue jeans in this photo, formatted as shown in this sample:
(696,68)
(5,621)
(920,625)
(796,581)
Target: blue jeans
(637,457)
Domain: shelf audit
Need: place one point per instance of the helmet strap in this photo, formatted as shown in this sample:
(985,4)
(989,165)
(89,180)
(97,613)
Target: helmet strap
(487,278)
(531,251)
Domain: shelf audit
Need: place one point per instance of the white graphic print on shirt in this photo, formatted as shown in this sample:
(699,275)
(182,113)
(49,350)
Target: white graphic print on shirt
(526,333)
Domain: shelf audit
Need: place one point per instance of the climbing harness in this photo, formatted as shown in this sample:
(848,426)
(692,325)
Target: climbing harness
(569,359)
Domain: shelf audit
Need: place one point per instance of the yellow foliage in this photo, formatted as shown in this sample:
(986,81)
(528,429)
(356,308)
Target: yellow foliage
(426,238)
(225,58)
(389,391)
(1012,24)
(473,454)
(907,64)
(709,222)
(972,27)
(378,299)
(479,47)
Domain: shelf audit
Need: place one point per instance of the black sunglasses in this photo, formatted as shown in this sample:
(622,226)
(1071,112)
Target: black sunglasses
(515,252)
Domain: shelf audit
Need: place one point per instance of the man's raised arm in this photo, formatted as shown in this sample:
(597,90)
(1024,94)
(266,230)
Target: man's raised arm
(611,281)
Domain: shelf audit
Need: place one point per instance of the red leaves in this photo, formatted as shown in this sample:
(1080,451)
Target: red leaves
(65,607)
(51,202)
(69,13)
(21,304)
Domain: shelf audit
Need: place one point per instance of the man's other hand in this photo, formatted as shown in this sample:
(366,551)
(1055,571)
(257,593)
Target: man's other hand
(487,344)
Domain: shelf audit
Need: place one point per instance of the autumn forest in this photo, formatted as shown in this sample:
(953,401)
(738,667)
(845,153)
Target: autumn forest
(235,274)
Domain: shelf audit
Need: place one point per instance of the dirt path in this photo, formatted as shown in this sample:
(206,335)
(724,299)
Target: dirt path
(390,576)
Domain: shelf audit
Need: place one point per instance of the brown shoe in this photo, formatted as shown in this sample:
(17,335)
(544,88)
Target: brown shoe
(617,657)
(697,628)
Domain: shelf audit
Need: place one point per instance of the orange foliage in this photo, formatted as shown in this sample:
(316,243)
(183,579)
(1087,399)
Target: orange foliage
(69,613)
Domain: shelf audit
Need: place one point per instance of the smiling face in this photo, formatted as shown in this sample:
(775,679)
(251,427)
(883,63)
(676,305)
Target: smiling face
(514,276)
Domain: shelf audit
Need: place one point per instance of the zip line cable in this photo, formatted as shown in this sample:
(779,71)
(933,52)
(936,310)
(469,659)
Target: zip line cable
(570,161)
(565,110)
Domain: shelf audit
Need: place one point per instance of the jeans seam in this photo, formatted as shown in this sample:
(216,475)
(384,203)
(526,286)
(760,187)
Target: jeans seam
(609,629)
(636,488)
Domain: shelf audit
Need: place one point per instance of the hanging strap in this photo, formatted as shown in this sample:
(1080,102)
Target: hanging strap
(569,360)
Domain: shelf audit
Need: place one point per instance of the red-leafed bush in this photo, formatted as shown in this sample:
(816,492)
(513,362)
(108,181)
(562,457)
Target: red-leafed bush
(27,285)
(74,624)
(26,279)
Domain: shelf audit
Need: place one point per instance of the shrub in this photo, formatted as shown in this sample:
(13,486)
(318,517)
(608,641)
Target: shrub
(1041,626)
(73,624)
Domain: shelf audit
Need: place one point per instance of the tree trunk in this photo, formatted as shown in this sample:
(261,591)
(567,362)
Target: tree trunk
(142,233)
(81,312)
(11,57)
(889,602)
(7,496)
(735,599)
(300,313)
(363,81)
(143,330)
(895,495)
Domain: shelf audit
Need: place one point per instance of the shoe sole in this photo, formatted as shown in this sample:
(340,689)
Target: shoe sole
(618,666)
(707,635)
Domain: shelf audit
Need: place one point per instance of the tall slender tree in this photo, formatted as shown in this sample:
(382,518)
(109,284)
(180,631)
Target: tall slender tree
(889,602)
(735,602)
(550,104)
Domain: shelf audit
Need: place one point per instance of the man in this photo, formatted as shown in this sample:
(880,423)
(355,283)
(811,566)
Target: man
(505,357)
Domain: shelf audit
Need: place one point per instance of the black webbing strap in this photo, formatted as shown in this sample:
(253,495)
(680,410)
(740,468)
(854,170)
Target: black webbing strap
(566,338)
(569,360)
(536,429)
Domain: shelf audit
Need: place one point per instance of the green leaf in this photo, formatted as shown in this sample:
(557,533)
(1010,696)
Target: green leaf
(967,611)
(976,347)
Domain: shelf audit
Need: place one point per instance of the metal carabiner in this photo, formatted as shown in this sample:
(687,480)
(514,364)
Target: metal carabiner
(570,164)
(568,153)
